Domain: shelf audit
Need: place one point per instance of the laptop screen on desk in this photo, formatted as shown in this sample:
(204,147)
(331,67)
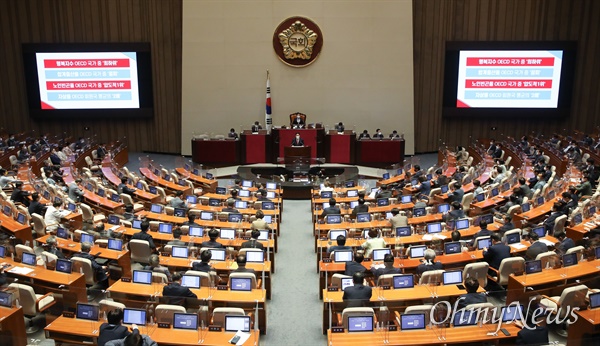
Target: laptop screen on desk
(87,238)
(594,300)
(7,210)
(244,193)
(434,227)
(271,186)
(137,224)
(406,199)
(577,219)
(494,192)
(156,208)
(347,282)
(419,212)
(190,281)
(115,244)
(206,215)
(264,235)
(540,200)
(21,218)
(412,321)
(28,258)
(452,277)
(233,217)
(268,205)
(512,312)
(2,251)
(465,318)
(382,202)
(113,219)
(179,212)
(569,259)
(227,233)
(352,193)
(218,254)
(134,316)
(64,266)
(452,248)
(214,202)
(72,207)
(255,256)
(525,207)
(179,251)
(513,238)
(462,224)
(484,242)
(360,324)
(540,231)
(196,231)
(333,234)
(142,277)
(326,194)
(417,251)
(404,281)
(444,188)
(342,256)
(221,190)
(597,252)
(241,284)
(334,218)
(185,321)
(363,217)
(532,267)
(350,183)
(442,208)
(5,299)
(403,231)
(379,254)
(208,175)
(191,199)
(62,233)
(87,312)
(100,192)
(241,204)
(236,323)
(480,197)
(247,183)
(166,228)
(385,176)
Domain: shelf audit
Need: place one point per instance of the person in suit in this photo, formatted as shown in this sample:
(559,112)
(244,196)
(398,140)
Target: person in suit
(492,148)
(177,202)
(355,266)
(253,243)
(358,294)
(525,188)
(262,197)
(112,329)
(241,262)
(176,238)
(536,247)
(191,221)
(143,234)
(374,242)
(75,192)
(540,182)
(440,178)
(471,297)
(23,154)
(298,122)
(51,247)
(256,127)
(154,265)
(496,253)
(332,209)
(388,263)
(360,208)
(500,175)
(457,193)
(459,174)
(230,207)
(123,188)
(564,244)
(551,220)
(297,141)
(341,245)
(384,192)
(339,127)
(483,232)
(35,206)
(101,151)
(134,339)
(498,152)
(19,195)
(507,226)
(54,158)
(99,270)
(424,186)
(204,264)
(585,188)
(394,135)
(364,135)
(478,189)
(232,134)
(259,223)
(397,219)
(177,293)
(54,216)
(429,263)
(213,234)
(378,134)
(534,336)
(456,213)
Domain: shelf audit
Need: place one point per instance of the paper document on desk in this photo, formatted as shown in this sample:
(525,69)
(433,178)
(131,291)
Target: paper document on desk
(547,242)
(439,236)
(517,246)
(373,193)
(243,337)
(378,266)
(427,237)
(20,270)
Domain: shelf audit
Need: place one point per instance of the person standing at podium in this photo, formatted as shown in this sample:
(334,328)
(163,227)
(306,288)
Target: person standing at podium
(297,141)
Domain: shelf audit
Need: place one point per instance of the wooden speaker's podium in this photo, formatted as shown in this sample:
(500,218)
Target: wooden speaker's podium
(297,159)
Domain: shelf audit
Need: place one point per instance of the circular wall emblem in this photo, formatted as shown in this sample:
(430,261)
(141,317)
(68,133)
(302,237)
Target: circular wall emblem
(297,41)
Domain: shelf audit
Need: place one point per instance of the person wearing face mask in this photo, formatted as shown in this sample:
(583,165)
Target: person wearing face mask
(297,142)
(298,123)
(378,134)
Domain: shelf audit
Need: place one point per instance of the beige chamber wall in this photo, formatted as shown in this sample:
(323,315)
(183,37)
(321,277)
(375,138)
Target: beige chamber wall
(363,76)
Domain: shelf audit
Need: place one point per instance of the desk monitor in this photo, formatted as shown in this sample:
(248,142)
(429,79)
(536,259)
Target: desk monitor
(506,186)
(414,182)
(237,323)
(165,228)
(235,217)
(577,219)
(480,197)
(385,176)
(452,277)
(353,204)
(342,256)
(218,254)
(221,190)
(532,267)
(452,248)
(247,183)
(417,251)
(334,233)
(157,172)
(488,218)
(100,192)
(352,193)
(494,192)
(156,208)
(399,171)
(241,204)
(255,256)
(382,202)
(137,224)
(207,215)
(87,238)
(525,207)
(512,313)
(64,266)
(6,299)
(179,251)
(241,284)
(21,218)
(442,208)
(191,199)
(264,235)
(350,183)
(134,316)
(597,252)
(270,194)
(271,186)
(484,242)
(214,202)
(406,199)
(115,244)
(336,218)
(268,205)
(539,201)
(243,193)
(540,231)
(227,233)
(569,259)
(444,188)
(152,190)
(465,318)
(360,324)
(550,195)
(412,321)
(326,205)
(190,281)
(434,227)
(207,175)
(196,231)
(404,281)
(46,195)
(326,194)
(179,212)
(347,282)
(388,215)
(513,238)
(72,207)
(419,212)
(142,277)
(363,217)
(7,210)
(113,219)
(462,224)
(87,312)
(594,300)
(139,185)
(591,211)
(379,254)
(187,167)
(2,251)
(185,321)
(89,187)
(62,233)
(167,177)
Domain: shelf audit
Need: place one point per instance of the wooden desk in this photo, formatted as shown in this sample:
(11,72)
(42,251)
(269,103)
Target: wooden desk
(578,231)
(139,295)
(106,204)
(145,196)
(82,332)
(12,327)
(209,185)
(534,214)
(166,184)
(277,201)
(11,226)
(588,322)
(205,223)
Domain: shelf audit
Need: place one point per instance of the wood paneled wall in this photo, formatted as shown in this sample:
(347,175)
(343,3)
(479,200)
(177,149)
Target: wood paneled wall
(96,21)
(438,21)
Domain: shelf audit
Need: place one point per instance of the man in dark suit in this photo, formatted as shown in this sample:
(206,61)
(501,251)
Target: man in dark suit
(112,330)
(298,122)
(424,186)
(378,134)
(143,234)
(341,245)
(360,208)
(551,220)
(384,192)
(429,263)
(483,232)
(176,292)
(253,243)
(213,234)
(585,188)
(388,262)
(496,253)
(564,244)
(355,266)
(123,188)
(471,297)
(18,195)
(440,178)
(364,135)
(536,247)
(454,214)
(99,270)
(230,208)
(51,243)
(241,262)
(525,188)
(498,152)
(332,209)
(297,141)
(457,193)
(534,336)
(508,225)
(358,294)
(256,127)
(204,265)
(35,206)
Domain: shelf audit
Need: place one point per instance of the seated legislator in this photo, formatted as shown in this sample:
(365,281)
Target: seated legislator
(394,135)
(397,219)
(112,329)
(456,213)
(35,206)
(51,247)
(134,339)
(143,234)
(19,195)
(5,179)
(355,266)
(341,245)
(483,232)
(339,127)
(378,134)
(256,127)
(54,215)
(176,238)
(230,208)
(123,188)
(565,243)
(263,196)
(358,294)
(332,209)
(424,187)
(360,208)
(457,193)
(128,215)
(177,202)
(259,223)
(429,263)
(154,265)
(297,141)
(440,178)
(99,270)
(176,292)
(496,253)
(374,242)
(213,234)
(384,192)
(191,220)
(534,336)
(471,297)
(298,122)
(241,262)
(253,243)
(204,264)
(537,247)
(232,134)
(388,263)
(364,135)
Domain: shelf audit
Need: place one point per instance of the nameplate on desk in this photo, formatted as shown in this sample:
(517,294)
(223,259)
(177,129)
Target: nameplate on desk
(337,329)
(393,328)
(164,325)
(332,289)
(165,254)
(246,238)
(214,328)
(222,287)
(385,287)
(367,260)
(124,279)
(68,314)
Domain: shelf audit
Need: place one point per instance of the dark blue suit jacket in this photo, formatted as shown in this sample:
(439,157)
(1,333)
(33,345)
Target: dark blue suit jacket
(471,298)
(537,336)
(495,254)
(177,293)
(353,267)
(357,295)
(110,332)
